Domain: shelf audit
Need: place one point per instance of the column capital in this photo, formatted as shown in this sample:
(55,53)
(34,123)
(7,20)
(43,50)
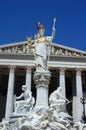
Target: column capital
(62,70)
(78,71)
(12,68)
(29,68)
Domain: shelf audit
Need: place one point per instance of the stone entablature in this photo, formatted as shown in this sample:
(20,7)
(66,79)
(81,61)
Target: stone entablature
(22,48)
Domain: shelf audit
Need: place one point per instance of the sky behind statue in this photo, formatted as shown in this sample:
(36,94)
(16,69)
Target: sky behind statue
(18,19)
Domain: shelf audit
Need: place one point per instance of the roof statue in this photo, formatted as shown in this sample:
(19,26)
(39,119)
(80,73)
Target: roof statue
(29,40)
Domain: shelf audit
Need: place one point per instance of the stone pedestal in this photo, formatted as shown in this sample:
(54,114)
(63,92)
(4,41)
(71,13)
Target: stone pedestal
(42,80)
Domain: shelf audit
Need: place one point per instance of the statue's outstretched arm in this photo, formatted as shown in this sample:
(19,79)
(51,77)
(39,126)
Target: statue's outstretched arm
(21,96)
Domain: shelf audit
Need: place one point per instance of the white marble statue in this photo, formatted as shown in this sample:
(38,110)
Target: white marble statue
(4,125)
(53,118)
(44,119)
(79,126)
(56,100)
(60,119)
(37,120)
(42,51)
(24,103)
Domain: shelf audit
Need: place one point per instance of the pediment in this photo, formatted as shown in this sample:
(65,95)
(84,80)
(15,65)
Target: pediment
(22,48)
(64,51)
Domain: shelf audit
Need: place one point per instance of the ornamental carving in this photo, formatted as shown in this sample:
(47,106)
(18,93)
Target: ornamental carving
(58,51)
(17,49)
(55,50)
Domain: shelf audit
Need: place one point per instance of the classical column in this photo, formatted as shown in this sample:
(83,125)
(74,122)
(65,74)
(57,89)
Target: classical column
(42,80)
(28,77)
(62,81)
(74,100)
(79,105)
(9,102)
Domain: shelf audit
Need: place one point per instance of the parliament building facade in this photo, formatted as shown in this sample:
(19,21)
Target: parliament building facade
(67,66)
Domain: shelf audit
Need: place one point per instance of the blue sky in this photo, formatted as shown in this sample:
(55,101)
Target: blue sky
(18,19)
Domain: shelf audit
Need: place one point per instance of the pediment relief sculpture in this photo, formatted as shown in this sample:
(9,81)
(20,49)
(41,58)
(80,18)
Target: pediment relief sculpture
(16,49)
(58,51)
(24,49)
